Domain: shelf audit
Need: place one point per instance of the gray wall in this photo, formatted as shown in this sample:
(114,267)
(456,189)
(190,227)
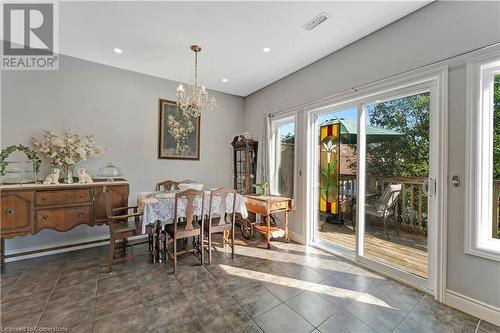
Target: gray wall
(121,108)
(437,31)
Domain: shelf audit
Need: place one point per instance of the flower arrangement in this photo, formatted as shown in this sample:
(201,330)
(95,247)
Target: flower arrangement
(180,129)
(67,150)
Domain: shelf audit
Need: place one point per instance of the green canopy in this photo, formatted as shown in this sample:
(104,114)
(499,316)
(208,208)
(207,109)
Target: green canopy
(348,132)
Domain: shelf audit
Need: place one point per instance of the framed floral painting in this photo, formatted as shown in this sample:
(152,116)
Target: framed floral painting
(178,133)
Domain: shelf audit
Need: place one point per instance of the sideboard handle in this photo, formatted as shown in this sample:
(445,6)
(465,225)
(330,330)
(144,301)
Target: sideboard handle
(82,214)
(9,211)
(45,218)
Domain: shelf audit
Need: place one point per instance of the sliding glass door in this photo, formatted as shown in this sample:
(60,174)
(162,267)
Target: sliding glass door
(373,180)
(334,175)
(398,183)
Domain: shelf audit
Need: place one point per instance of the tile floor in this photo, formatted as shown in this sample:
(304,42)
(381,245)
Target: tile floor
(289,288)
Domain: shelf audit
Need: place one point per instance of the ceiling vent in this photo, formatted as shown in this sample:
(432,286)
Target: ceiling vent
(320,18)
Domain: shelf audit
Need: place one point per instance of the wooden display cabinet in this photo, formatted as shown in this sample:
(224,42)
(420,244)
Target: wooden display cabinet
(245,175)
(244,164)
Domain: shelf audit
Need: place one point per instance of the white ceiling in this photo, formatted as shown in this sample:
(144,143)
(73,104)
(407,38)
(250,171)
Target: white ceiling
(155,36)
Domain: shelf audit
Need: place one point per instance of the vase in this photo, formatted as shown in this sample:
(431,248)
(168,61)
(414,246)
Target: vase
(68,173)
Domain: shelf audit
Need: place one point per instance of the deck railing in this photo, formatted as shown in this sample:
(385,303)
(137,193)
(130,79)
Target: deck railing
(412,202)
(496,209)
(411,207)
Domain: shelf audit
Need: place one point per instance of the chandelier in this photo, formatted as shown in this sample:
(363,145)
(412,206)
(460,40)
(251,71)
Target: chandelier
(198,100)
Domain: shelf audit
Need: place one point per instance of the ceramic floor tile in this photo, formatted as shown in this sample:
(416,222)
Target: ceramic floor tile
(352,280)
(396,295)
(69,279)
(116,282)
(65,296)
(25,310)
(7,281)
(300,272)
(312,307)
(118,268)
(411,326)
(374,312)
(130,320)
(279,289)
(19,323)
(283,319)
(235,285)
(77,317)
(441,318)
(187,324)
(244,295)
(164,310)
(486,327)
(256,300)
(112,302)
(159,289)
(343,322)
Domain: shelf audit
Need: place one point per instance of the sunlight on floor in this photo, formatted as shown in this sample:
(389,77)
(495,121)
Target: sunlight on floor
(305,285)
(311,258)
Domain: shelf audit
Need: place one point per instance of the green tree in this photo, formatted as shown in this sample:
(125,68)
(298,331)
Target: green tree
(407,156)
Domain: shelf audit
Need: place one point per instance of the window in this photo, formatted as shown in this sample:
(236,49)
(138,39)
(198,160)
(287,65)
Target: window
(483,183)
(282,157)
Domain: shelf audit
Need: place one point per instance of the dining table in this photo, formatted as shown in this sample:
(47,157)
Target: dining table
(159,206)
(157,209)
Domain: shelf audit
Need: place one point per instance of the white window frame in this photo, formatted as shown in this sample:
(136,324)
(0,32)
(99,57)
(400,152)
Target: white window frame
(433,78)
(479,169)
(274,143)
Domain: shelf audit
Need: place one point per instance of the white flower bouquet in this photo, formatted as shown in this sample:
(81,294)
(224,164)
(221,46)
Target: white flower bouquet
(180,129)
(67,150)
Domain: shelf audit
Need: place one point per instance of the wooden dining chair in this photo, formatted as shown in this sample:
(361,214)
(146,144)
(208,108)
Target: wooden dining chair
(167,185)
(187,227)
(122,225)
(221,221)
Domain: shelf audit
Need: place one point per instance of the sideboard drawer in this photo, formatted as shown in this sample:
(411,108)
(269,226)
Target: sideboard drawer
(62,219)
(53,198)
(15,212)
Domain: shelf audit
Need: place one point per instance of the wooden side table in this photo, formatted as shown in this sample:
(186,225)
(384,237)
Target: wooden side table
(266,206)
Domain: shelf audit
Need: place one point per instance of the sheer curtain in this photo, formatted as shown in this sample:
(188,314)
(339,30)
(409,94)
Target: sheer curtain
(263,169)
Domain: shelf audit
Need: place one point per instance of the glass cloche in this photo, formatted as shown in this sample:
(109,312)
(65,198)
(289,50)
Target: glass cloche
(110,172)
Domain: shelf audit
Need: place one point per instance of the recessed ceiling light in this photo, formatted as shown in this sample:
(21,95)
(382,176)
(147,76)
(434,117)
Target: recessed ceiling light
(225,80)
(117,50)
(266,49)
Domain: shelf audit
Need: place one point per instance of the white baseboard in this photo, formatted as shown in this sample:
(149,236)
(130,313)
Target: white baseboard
(474,307)
(296,237)
(68,246)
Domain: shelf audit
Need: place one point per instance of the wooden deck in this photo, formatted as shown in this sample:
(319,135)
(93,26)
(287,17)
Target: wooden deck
(406,251)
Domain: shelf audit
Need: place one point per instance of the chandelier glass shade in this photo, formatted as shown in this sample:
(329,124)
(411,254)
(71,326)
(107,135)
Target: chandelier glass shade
(197,100)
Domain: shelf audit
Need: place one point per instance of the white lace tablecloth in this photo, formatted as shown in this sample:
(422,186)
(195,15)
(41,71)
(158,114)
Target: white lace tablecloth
(159,206)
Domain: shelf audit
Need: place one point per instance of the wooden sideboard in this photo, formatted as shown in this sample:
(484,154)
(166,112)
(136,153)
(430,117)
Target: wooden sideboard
(27,209)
